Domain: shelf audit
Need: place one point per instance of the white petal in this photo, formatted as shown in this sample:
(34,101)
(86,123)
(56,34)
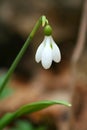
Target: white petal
(39,52)
(56,55)
(47,56)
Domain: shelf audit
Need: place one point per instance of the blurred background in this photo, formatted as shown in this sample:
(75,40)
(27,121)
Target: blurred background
(30,82)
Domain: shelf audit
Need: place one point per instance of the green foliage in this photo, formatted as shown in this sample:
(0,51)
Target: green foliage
(25,125)
(29,108)
(41,128)
(7,91)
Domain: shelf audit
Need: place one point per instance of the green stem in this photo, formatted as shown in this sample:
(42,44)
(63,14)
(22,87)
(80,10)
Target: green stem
(21,53)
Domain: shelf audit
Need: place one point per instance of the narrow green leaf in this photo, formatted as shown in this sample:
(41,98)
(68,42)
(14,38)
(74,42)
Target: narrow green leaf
(36,106)
(29,108)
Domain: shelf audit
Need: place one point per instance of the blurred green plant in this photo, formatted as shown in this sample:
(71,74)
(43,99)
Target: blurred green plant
(8,91)
(26,125)
(23,125)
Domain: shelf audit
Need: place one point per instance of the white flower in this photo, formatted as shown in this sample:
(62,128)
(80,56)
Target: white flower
(47,51)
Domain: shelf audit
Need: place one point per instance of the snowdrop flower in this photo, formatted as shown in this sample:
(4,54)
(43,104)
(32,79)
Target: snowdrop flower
(47,52)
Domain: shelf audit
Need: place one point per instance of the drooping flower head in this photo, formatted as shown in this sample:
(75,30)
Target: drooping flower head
(48,50)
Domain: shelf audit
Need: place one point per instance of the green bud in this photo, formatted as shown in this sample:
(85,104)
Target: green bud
(47,30)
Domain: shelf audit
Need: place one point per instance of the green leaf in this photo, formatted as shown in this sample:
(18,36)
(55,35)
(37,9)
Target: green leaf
(29,108)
